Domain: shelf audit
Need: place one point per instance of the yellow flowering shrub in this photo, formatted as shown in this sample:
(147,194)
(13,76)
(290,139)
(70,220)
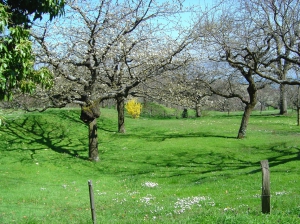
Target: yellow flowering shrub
(133,108)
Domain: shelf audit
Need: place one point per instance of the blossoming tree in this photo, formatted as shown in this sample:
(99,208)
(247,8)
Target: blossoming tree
(104,50)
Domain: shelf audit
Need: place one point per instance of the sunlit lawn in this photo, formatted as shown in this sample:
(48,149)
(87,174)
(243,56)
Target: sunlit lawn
(160,171)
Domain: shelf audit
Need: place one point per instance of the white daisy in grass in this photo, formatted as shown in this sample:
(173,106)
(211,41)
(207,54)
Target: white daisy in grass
(183,204)
(149,184)
(281,193)
(147,199)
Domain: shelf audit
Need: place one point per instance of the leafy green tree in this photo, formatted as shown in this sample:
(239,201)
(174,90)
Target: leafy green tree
(16,57)
(24,12)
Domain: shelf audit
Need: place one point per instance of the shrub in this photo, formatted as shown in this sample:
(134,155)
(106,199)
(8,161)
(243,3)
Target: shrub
(133,108)
(185,113)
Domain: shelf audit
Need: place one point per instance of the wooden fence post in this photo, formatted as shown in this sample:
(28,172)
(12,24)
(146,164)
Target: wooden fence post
(92,201)
(265,195)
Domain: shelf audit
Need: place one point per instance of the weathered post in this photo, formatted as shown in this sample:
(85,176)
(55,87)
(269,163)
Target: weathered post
(265,195)
(92,201)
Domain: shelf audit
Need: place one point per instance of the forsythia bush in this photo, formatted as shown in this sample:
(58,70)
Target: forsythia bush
(133,108)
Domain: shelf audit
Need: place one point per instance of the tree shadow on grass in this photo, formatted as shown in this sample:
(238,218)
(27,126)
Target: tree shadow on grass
(162,136)
(72,115)
(215,164)
(36,135)
(199,168)
(222,165)
(285,154)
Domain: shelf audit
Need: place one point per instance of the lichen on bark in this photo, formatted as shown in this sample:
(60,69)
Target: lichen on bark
(90,111)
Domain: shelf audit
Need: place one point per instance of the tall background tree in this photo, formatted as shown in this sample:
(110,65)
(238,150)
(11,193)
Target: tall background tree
(233,43)
(248,38)
(271,17)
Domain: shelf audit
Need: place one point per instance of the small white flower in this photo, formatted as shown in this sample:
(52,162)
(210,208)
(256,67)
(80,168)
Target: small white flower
(281,193)
(228,209)
(120,201)
(186,203)
(150,184)
(147,199)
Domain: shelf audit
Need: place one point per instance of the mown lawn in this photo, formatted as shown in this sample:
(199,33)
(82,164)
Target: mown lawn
(160,171)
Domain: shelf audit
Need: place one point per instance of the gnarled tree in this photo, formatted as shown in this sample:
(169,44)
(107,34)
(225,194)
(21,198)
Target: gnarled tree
(253,39)
(106,49)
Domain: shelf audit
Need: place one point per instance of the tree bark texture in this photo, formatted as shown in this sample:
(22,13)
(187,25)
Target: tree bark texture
(283,100)
(93,141)
(198,110)
(121,119)
(298,116)
(252,91)
(245,121)
(89,115)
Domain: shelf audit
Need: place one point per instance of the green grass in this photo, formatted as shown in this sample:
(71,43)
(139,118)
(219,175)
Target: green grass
(200,172)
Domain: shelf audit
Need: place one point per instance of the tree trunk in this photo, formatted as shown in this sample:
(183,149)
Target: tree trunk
(245,121)
(93,141)
(198,110)
(283,100)
(121,119)
(89,115)
(298,116)
(252,91)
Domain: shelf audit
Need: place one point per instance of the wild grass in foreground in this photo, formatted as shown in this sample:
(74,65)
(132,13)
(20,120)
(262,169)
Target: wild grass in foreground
(160,171)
